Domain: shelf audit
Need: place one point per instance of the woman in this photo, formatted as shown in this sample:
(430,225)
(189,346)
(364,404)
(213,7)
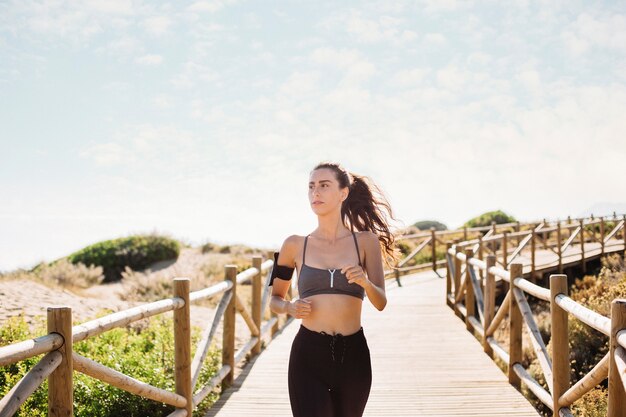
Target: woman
(330,372)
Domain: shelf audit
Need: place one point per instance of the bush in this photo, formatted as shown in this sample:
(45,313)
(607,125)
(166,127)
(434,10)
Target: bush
(427,224)
(485,219)
(143,351)
(135,252)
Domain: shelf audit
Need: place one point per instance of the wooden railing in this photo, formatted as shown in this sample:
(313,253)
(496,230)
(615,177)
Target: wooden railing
(473,299)
(60,360)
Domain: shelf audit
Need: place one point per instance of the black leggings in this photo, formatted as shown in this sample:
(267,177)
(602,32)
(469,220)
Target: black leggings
(329,376)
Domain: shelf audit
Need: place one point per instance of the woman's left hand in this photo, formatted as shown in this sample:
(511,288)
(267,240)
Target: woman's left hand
(355,274)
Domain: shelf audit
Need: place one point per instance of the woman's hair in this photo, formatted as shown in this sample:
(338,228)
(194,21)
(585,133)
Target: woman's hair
(363,209)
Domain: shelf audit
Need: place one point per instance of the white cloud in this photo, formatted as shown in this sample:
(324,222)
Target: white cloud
(531,80)
(161,101)
(210,6)
(193,74)
(108,154)
(589,30)
(436,6)
(149,60)
(371,29)
(77,21)
(123,46)
(410,77)
(355,67)
(157,25)
(435,39)
(451,78)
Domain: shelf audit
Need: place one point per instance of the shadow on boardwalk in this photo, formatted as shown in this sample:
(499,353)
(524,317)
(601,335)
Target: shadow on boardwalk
(424,363)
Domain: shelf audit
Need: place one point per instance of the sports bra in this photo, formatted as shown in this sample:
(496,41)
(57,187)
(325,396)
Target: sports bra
(313,281)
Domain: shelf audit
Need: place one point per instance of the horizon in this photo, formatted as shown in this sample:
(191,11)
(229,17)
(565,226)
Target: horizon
(196,244)
(202,119)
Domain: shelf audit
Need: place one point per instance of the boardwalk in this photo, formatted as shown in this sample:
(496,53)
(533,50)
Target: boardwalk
(424,362)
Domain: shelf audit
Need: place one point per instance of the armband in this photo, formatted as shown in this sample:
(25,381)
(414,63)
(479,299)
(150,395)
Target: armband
(280,271)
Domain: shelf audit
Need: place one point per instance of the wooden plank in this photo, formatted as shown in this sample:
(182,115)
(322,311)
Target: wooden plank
(449,374)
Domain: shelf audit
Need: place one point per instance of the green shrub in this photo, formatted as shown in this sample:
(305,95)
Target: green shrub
(135,252)
(143,351)
(485,219)
(427,224)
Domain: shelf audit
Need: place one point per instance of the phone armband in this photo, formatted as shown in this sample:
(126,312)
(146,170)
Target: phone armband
(280,271)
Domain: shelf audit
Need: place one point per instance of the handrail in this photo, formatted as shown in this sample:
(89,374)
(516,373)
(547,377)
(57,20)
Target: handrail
(582,313)
(28,348)
(556,371)
(184,401)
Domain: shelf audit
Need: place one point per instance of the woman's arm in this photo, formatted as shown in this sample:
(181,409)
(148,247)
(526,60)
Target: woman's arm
(375,284)
(278,304)
(373,281)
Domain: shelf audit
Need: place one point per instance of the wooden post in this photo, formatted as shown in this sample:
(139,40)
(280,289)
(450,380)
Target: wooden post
(257,290)
(533,248)
(515,328)
(182,343)
(493,233)
(504,249)
(602,235)
(270,255)
(569,220)
(490,301)
(448,274)
(624,236)
(60,382)
(457,278)
(480,254)
(582,246)
(228,336)
(469,291)
(433,243)
(465,233)
(517,229)
(558,246)
(544,236)
(617,392)
(559,341)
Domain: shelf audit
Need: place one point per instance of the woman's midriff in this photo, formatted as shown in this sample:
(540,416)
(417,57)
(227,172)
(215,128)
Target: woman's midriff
(334,313)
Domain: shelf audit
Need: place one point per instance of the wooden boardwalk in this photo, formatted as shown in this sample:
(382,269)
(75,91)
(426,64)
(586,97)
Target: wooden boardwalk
(424,363)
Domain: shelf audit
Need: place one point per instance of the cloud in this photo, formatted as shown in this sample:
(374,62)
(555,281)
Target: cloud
(596,30)
(435,39)
(410,77)
(108,154)
(78,21)
(149,60)
(354,67)
(371,30)
(210,6)
(192,74)
(157,25)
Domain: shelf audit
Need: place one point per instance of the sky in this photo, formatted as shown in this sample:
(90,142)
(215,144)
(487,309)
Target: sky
(203,119)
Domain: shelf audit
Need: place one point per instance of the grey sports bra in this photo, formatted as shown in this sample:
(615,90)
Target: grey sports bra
(313,281)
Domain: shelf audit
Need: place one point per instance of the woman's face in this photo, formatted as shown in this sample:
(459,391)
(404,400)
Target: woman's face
(324,192)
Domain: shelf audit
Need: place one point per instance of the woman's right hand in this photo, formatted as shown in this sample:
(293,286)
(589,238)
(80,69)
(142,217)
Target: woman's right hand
(299,308)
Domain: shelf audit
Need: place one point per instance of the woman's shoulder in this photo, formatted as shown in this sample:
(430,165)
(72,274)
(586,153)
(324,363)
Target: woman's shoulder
(367,236)
(292,242)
